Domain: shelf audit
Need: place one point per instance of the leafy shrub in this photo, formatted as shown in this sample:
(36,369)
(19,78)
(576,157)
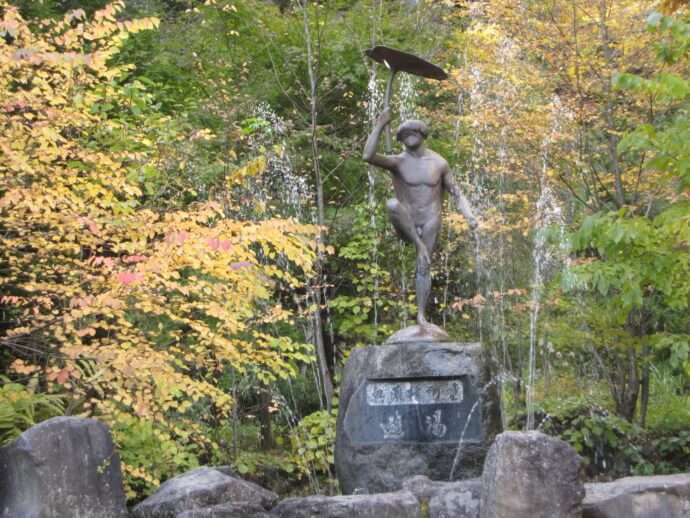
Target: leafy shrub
(313,443)
(608,445)
(20,409)
(666,455)
(149,455)
(612,447)
(669,400)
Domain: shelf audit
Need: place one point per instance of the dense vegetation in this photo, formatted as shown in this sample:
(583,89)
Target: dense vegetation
(191,244)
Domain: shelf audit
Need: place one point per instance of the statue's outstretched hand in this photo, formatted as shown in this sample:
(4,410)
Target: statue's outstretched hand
(384,118)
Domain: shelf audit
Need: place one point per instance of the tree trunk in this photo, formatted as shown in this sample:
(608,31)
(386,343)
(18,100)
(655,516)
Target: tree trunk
(317,283)
(265,418)
(644,393)
(235,418)
(609,105)
(639,324)
(630,388)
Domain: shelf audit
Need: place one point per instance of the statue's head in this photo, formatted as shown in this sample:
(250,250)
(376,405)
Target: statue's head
(411,126)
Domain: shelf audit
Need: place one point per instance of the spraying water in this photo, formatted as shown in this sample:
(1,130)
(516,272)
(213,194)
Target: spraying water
(374,104)
(549,213)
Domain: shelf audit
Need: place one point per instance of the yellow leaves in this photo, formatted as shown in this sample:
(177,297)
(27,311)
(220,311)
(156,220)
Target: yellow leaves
(123,398)
(251,168)
(670,6)
(22,368)
(76,14)
(139,309)
(109,11)
(89,331)
(141,24)
(140,473)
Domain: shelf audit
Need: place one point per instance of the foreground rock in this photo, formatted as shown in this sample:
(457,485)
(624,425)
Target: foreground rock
(532,475)
(447,499)
(401,504)
(666,496)
(414,409)
(205,488)
(64,466)
(243,510)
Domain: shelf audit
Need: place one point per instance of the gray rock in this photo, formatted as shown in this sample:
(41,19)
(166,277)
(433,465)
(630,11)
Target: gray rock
(664,496)
(201,488)
(458,499)
(401,504)
(532,475)
(368,463)
(61,467)
(243,510)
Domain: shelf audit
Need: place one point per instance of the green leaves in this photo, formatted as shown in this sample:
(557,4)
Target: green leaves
(637,256)
(677,347)
(678,47)
(664,85)
(640,256)
(667,146)
(313,442)
(20,409)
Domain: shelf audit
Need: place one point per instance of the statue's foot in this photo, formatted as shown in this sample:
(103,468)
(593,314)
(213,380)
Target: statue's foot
(422,332)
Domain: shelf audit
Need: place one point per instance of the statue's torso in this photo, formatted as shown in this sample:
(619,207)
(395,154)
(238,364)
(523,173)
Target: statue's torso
(418,183)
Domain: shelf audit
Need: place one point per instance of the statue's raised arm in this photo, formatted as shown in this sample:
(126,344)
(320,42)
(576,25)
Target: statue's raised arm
(370,155)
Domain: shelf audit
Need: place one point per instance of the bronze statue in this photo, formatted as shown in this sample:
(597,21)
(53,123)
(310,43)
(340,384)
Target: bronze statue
(420,177)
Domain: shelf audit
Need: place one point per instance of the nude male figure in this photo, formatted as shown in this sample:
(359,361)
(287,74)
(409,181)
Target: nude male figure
(420,177)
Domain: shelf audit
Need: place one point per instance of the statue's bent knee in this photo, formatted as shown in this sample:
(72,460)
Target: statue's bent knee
(392,205)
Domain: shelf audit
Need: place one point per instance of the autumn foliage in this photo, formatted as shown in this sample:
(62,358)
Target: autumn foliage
(128,311)
(152,277)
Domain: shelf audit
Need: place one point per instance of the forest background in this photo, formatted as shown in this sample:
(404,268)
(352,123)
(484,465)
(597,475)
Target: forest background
(190,243)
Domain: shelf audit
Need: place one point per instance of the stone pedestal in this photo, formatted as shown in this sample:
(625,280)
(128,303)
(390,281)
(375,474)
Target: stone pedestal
(414,409)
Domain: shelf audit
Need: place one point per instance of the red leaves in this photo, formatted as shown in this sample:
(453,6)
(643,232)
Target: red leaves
(108,262)
(62,375)
(129,277)
(176,237)
(91,225)
(477,301)
(134,258)
(219,244)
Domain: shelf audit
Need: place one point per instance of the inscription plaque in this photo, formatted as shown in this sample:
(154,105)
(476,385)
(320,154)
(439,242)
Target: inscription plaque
(413,410)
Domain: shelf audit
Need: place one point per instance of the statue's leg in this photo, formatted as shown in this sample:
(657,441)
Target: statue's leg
(405,228)
(429,235)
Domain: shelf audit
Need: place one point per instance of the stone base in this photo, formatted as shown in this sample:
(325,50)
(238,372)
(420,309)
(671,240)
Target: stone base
(531,474)
(429,333)
(64,466)
(661,496)
(414,409)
